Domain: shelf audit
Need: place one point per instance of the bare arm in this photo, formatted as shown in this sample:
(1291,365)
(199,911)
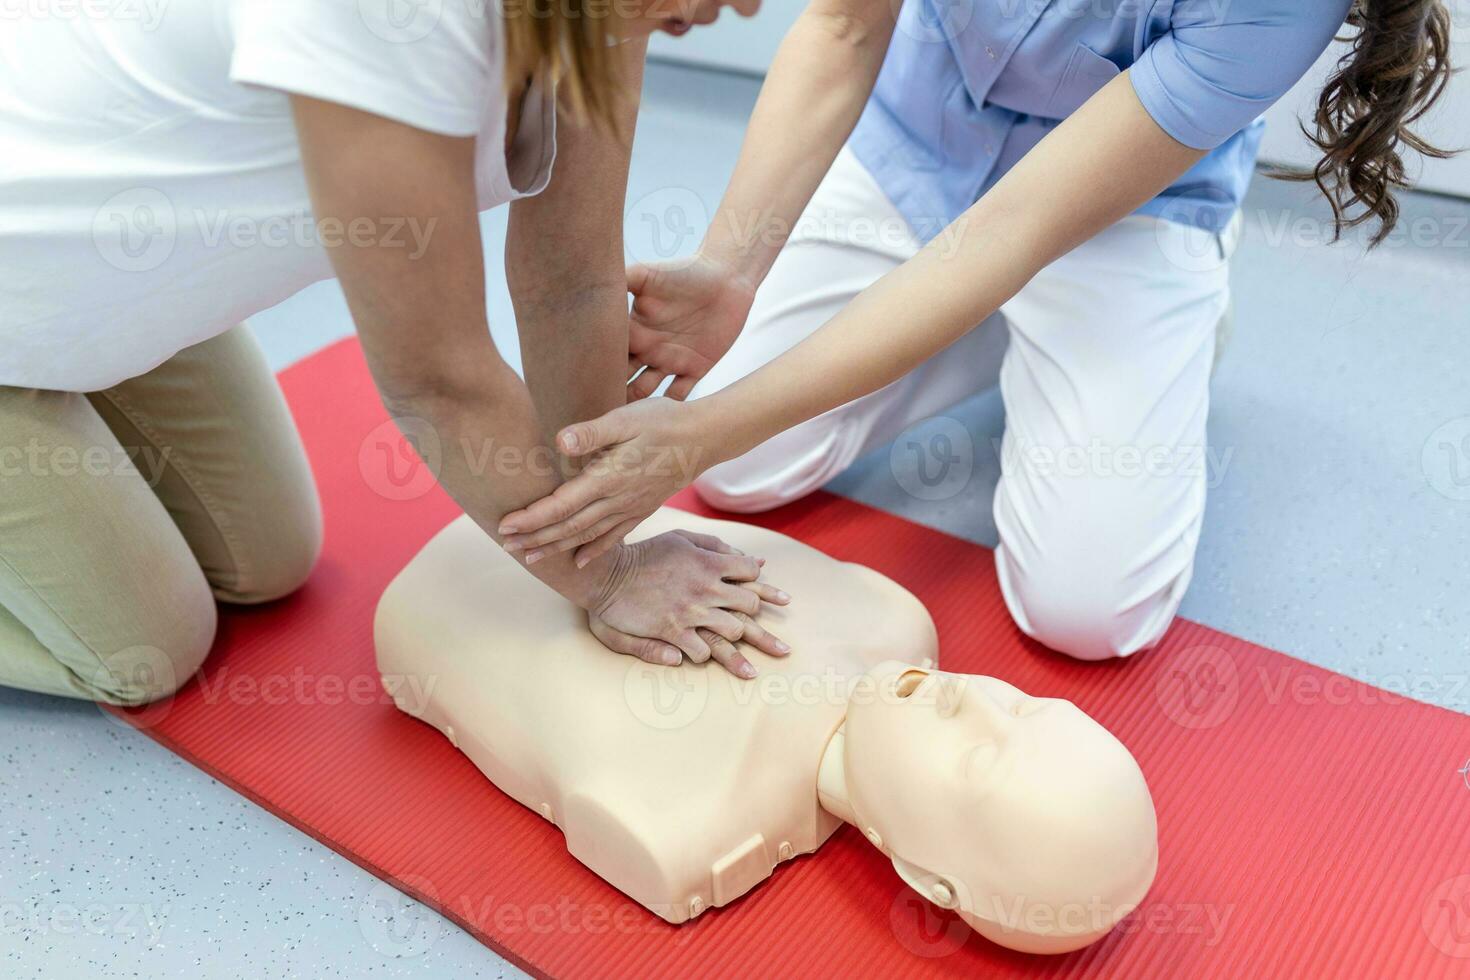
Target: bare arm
(821,78)
(564,265)
(686,314)
(1098,166)
(421,317)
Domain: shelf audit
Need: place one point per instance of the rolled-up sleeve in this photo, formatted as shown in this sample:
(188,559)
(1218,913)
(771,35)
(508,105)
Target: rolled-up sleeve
(1220,66)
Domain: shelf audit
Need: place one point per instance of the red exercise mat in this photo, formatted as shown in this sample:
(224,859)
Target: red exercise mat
(1309,825)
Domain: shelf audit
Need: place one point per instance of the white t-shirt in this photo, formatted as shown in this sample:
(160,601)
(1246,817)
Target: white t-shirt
(151,188)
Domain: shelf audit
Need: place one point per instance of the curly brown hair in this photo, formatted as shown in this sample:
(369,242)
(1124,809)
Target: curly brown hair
(1394,72)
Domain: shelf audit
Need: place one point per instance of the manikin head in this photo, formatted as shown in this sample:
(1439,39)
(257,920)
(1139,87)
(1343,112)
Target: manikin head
(1022,814)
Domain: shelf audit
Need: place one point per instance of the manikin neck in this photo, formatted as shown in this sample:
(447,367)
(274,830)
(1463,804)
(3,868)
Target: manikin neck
(832,778)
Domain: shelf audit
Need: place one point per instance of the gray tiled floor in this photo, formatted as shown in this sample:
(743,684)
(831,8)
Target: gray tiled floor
(1339,531)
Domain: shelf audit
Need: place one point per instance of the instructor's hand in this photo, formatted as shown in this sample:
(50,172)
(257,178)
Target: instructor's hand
(686,314)
(639,456)
(685,594)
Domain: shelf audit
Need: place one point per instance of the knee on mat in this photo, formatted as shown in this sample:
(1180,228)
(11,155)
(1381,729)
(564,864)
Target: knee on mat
(158,664)
(279,565)
(1084,615)
(744,489)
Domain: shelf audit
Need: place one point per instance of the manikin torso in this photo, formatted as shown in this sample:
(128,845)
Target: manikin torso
(683,787)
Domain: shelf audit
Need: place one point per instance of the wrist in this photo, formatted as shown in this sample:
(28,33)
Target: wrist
(718,429)
(742,264)
(603,578)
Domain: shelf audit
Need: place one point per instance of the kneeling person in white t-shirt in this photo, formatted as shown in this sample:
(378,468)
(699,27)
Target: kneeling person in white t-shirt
(166,180)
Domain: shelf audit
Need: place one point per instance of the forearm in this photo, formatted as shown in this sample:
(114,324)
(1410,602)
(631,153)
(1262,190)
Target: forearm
(421,318)
(564,265)
(1097,167)
(486,445)
(812,97)
(574,351)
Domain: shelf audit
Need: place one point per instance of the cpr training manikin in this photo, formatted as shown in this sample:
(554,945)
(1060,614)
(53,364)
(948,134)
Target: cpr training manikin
(684,786)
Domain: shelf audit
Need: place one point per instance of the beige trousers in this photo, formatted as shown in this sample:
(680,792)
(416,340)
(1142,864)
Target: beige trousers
(125,513)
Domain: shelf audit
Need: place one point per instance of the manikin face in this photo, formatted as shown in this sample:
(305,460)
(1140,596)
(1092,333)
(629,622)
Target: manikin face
(677,17)
(1022,813)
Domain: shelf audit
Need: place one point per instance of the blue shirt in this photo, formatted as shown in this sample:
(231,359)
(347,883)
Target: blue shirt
(969,86)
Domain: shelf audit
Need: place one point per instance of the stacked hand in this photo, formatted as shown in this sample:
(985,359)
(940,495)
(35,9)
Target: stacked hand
(685,594)
(678,594)
(686,314)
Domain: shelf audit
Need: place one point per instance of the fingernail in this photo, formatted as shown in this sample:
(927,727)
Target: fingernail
(508,529)
(582,562)
(569,442)
(782,596)
(783,646)
(747,670)
(760,561)
(532,557)
(671,658)
(513,546)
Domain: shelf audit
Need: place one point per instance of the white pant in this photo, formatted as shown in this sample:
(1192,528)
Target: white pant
(1106,388)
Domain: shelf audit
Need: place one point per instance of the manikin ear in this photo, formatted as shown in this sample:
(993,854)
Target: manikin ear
(938,889)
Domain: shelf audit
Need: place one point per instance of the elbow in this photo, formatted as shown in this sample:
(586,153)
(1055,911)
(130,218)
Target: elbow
(432,388)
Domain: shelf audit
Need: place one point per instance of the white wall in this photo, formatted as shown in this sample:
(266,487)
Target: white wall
(1447,126)
(735,43)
